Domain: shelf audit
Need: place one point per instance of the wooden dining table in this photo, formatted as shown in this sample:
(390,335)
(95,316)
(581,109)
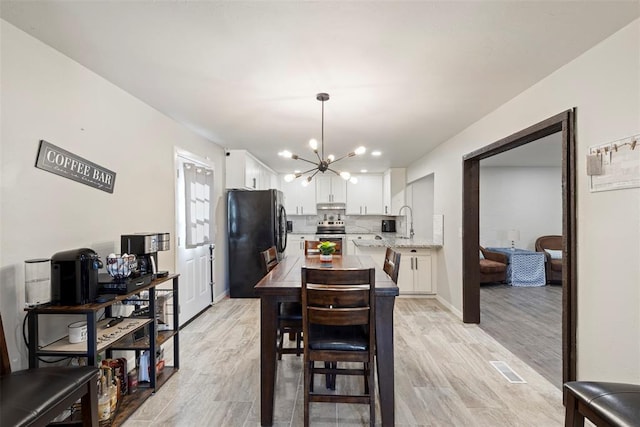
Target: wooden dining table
(283,284)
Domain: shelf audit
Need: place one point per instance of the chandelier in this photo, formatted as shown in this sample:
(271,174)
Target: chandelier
(322,164)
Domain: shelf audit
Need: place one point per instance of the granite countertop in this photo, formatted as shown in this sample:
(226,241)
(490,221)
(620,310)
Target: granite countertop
(392,240)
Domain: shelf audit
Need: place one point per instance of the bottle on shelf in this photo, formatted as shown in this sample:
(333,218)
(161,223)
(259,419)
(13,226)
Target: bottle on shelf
(113,392)
(104,400)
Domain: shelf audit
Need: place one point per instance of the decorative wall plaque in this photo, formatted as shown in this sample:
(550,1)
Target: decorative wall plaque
(61,162)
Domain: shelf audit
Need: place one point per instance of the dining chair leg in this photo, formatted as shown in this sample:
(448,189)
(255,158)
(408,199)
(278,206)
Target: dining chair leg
(280,344)
(308,387)
(311,375)
(365,368)
(299,343)
(330,379)
(372,396)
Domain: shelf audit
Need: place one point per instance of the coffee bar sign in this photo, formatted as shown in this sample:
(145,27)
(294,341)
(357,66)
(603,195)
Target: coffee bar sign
(61,162)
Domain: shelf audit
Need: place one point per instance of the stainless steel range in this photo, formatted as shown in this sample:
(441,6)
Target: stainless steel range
(331,226)
(332,230)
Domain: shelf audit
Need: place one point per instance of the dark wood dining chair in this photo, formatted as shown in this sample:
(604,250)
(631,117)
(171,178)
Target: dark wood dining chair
(269,259)
(392,264)
(311,247)
(289,313)
(35,397)
(338,320)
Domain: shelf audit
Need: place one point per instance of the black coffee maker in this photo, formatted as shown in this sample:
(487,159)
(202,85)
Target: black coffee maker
(145,247)
(74,277)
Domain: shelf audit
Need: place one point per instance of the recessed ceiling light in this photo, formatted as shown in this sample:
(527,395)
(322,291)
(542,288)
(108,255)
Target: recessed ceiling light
(376,153)
(363,171)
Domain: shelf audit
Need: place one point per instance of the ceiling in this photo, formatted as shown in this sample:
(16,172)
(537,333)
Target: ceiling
(403,76)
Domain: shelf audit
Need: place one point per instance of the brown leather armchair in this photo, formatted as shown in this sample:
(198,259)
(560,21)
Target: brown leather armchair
(553,264)
(493,268)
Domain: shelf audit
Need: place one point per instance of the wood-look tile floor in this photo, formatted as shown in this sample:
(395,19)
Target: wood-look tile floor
(442,377)
(528,322)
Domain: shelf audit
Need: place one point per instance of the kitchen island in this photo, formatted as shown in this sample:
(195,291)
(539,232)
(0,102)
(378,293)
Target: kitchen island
(417,275)
(393,240)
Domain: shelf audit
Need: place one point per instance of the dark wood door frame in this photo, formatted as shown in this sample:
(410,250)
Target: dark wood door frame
(565,123)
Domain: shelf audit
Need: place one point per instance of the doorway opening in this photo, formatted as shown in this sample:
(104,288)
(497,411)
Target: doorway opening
(565,124)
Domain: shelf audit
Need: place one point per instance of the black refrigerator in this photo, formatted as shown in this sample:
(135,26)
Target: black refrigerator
(256,220)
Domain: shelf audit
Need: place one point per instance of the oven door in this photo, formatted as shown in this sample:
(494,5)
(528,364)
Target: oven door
(337,239)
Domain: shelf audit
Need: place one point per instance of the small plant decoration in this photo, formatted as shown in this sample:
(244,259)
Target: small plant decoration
(327,248)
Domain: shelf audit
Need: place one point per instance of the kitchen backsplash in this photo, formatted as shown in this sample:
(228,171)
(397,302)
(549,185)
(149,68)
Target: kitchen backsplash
(353,223)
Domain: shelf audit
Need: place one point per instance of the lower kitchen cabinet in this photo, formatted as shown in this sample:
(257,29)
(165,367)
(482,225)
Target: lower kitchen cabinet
(416,272)
(375,252)
(295,243)
(350,247)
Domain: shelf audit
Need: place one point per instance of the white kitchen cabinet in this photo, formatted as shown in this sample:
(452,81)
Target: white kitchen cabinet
(365,197)
(244,171)
(416,272)
(330,188)
(351,247)
(295,243)
(375,252)
(298,200)
(393,194)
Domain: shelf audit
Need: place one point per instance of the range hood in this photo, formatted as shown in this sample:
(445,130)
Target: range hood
(331,206)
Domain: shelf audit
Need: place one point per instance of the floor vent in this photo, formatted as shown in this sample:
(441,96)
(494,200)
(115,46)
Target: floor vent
(507,372)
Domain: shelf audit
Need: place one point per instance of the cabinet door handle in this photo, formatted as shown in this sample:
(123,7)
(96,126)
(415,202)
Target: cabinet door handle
(411,262)
(254,183)
(301,210)
(296,210)
(416,263)
(386,209)
(360,210)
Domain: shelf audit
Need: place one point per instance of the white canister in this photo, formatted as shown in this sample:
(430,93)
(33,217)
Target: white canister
(77,332)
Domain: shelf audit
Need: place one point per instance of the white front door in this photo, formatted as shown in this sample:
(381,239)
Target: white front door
(193,213)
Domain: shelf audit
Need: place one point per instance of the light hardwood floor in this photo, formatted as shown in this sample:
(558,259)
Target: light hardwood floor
(443,377)
(528,322)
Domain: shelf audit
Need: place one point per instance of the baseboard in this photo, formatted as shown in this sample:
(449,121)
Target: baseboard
(451,308)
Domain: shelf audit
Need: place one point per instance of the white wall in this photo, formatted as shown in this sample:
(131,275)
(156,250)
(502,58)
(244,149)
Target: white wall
(47,96)
(527,199)
(420,198)
(604,85)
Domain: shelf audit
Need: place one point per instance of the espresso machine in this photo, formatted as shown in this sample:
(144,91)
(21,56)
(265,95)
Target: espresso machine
(74,276)
(145,247)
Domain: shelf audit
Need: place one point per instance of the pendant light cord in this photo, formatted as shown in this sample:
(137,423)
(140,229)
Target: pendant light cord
(322,133)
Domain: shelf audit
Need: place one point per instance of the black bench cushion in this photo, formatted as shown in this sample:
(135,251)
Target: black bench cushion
(28,394)
(616,403)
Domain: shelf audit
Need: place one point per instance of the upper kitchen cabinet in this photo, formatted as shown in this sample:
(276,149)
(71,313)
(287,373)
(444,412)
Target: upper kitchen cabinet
(246,172)
(298,200)
(393,193)
(365,197)
(330,189)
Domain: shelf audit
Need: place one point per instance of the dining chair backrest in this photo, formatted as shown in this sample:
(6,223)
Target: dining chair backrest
(269,259)
(337,297)
(392,264)
(311,247)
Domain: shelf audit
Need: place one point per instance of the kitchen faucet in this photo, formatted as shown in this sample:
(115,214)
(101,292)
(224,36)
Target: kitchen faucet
(410,234)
